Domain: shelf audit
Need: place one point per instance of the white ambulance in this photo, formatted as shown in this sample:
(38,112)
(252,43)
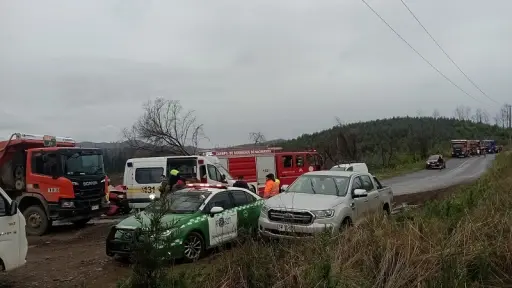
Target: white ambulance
(142,176)
(13,239)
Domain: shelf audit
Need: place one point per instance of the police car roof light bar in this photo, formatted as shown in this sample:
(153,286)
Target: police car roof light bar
(24,136)
(202,185)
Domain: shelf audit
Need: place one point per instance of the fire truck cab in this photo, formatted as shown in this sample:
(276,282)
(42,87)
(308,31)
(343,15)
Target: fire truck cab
(52,180)
(460,148)
(255,164)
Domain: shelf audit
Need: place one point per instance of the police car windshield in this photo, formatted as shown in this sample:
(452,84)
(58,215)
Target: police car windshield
(186,201)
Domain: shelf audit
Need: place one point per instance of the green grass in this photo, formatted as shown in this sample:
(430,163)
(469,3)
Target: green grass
(399,170)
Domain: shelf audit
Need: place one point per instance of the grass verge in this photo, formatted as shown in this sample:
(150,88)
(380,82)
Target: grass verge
(399,170)
(462,241)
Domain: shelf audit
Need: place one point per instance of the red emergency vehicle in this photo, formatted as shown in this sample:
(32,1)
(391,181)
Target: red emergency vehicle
(255,164)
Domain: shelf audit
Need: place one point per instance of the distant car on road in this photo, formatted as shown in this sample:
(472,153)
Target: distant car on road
(323,201)
(435,162)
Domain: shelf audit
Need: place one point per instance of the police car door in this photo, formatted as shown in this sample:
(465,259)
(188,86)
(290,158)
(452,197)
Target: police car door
(222,227)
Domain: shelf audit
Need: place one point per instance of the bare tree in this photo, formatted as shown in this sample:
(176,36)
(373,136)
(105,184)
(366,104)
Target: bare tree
(481,116)
(462,113)
(165,127)
(436,114)
(343,147)
(257,138)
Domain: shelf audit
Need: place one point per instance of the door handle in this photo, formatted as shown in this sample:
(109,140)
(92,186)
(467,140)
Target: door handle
(366,200)
(353,205)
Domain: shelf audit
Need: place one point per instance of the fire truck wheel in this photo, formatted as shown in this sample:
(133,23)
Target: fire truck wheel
(37,222)
(81,222)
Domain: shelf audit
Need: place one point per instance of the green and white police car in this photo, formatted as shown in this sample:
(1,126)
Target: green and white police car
(202,216)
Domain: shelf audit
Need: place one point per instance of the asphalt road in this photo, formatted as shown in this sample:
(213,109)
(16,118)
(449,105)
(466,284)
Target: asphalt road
(458,170)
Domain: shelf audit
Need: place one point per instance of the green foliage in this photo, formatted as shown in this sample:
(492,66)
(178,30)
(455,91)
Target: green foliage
(393,142)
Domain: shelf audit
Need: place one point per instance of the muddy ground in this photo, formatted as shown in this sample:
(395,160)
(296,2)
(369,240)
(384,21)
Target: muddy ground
(69,257)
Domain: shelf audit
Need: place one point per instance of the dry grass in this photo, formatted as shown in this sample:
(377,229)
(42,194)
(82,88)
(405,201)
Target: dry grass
(463,241)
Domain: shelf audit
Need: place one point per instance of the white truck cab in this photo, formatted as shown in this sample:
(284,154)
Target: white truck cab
(13,239)
(142,176)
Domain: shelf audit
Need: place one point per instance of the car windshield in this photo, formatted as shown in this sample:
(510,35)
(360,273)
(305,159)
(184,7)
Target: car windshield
(320,184)
(433,157)
(224,171)
(184,201)
(82,163)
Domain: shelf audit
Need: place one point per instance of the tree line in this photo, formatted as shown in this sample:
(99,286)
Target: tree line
(166,128)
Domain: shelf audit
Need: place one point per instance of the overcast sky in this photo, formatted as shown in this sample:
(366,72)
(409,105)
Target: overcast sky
(283,67)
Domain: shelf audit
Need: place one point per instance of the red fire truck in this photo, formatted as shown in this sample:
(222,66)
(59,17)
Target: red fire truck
(255,164)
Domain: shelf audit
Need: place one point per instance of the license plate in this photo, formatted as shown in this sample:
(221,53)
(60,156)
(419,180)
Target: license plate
(95,207)
(284,227)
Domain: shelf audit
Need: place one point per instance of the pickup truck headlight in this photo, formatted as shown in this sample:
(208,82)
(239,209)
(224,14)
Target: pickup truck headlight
(321,214)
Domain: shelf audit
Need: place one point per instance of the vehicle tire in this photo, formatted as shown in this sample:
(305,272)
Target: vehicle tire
(37,221)
(387,210)
(81,223)
(193,247)
(345,224)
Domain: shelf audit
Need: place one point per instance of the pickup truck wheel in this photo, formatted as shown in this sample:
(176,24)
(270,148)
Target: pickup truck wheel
(345,224)
(37,222)
(193,247)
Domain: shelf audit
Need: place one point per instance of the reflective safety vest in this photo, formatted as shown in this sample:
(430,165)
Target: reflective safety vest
(275,189)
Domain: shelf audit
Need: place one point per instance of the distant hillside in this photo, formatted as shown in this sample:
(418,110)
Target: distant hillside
(380,143)
(394,141)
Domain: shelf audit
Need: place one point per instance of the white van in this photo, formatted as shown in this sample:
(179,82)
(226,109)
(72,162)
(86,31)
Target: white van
(13,240)
(142,175)
(356,167)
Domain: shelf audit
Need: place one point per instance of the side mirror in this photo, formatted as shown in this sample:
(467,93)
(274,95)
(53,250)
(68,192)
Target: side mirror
(360,193)
(223,179)
(13,209)
(284,187)
(216,210)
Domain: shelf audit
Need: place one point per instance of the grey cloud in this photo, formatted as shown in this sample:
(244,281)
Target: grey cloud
(84,68)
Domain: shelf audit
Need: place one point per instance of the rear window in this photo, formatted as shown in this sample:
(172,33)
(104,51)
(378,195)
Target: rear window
(148,175)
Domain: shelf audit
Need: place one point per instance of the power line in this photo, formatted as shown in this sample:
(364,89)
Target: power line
(445,53)
(419,54)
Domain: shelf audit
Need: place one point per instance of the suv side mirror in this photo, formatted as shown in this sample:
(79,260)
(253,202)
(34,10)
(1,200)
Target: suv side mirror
(223,178)
(360,193)
(13,208)
(284,187)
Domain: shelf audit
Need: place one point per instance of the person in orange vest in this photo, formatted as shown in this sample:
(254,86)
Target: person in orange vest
(269,186)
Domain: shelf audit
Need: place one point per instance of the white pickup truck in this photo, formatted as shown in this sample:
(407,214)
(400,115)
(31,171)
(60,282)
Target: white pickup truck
(13,239)
(323,200)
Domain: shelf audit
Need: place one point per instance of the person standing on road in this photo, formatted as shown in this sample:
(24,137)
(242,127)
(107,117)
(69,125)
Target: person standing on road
(163,184)
(269,186)
(240,183)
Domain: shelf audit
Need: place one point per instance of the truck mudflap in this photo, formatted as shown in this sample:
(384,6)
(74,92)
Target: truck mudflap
(82,210)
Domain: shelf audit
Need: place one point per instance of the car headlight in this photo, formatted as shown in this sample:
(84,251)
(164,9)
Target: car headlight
(152,196)
(169,232)
(264,209)
(329,213)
